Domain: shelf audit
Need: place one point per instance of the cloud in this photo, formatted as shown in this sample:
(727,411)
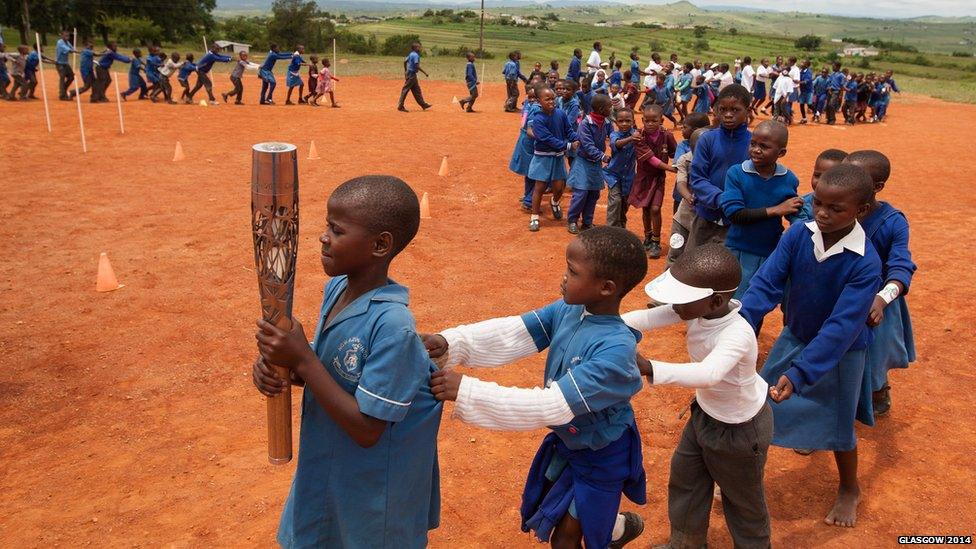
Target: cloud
(882,8)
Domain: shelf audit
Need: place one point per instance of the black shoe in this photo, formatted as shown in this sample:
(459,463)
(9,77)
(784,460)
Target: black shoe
(882,401)
(402,109)
(427,106)
(633,528)
(573,228)
(654,250)
(557,211)
(461,104)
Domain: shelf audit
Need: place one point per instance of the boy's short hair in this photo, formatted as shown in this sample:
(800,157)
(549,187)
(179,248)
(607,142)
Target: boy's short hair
(874,162)
(737,92)
(653,108)
(708,266)
(600,100)
(854,178)
(616,254)
(570,84)
(697,120)
(625,110)
(384,204)
(777,129)
(832,155)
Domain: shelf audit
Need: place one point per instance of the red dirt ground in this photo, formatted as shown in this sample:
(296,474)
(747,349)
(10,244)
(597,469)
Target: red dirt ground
(129,418)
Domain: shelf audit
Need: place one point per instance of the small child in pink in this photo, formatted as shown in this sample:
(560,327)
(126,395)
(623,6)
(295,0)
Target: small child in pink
(325,85)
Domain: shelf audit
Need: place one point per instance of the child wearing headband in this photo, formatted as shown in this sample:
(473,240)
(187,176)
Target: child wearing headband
(731,426)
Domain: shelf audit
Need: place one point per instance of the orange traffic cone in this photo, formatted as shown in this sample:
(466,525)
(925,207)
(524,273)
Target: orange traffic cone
(203,103)
(313,154)
(443,171)
(178,153)
(106,281)
(454,100)
(424,207)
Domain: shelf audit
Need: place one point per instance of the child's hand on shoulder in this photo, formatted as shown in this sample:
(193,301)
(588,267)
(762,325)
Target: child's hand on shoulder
(783,389)
(787,207)
(672,169)
(283,348)
(444,384)
(877,311)
(435,344)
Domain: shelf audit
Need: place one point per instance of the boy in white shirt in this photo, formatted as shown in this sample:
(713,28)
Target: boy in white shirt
(748,74)
(759,89)
(783,90)
(727,437)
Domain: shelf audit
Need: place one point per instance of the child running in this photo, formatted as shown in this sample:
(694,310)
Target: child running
(654,148)
(758,194)
(726,440)
(586,174)
(325,85)
(886,227)
(554,134)
(471,82)
(816,367)
(367,471)
(593,454)
(619,173)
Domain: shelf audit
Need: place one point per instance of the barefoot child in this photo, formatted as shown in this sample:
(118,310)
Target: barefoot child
(593,454)
(367,460)
(325,84)
(554,134)
(825,160)
(727,437)
(471,81)
(654,148)
(886,227)
(758,194)
(816,367)
(619,173)
(586,174)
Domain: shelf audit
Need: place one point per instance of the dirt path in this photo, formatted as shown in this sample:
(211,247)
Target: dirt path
(129,418)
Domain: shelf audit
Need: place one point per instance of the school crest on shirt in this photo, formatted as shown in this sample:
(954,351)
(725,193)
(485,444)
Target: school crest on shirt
(349,359)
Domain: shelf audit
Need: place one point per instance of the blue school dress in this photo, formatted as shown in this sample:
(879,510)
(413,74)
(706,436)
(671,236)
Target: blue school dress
(704,102)
(524,145)
(746,189)
(388,495)
(586,172)
(684,82)
(894,340)
(294,78)
(595,458)
(823,343)
(575,115)
(553,135)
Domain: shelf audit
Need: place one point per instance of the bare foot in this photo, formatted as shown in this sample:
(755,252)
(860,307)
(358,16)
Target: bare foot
(844,512)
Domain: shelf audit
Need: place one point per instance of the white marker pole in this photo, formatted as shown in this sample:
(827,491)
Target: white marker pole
(74,56)
(81,121)
(335,59)
(40,69)
(205,48)
(118,101)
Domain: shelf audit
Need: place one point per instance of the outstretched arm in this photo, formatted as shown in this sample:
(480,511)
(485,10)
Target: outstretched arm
(489,343)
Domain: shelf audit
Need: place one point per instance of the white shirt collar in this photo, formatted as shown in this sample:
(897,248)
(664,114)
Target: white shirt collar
(854,241)
(749,167)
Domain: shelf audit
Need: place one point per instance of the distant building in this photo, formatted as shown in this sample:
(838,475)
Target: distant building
(366,19)
(232,47)
(836,40)
(859,51)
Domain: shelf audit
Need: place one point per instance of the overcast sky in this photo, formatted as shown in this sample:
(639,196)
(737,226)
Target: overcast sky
(880,8)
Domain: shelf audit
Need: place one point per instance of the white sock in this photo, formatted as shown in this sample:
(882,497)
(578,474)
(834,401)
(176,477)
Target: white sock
(618,528)
(535,217)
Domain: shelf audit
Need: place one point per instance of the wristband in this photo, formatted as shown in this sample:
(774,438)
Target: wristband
(889,293)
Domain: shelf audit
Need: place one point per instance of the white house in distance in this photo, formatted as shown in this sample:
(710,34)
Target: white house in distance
(232,47)
(852,50)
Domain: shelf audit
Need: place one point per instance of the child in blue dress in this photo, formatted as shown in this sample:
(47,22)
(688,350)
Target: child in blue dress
(524,147)
(758,194)
(293,78)
(619,173)
(367,471)
(887,228)
(568,101)
(816,367)
(593,455)
(554,135)
(703,95)
(586,174)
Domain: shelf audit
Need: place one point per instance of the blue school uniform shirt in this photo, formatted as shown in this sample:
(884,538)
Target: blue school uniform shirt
(572,109)
(623,163)
(33,60)
(109,57)
(806,80)
(679,150)
(553,132)
(684,81)
(829,300)
(413,61)
(87,62)
(593,139)
(850,93)
(574,69)
(887,229)
(745,188)
(272,58)
(634,71)
(585,98)
(616,78)
(806,211)
(592,360)
(296,62)
(704,102)
(185,70)
(344,495)
(836,81)
(152,68)
(718,150)
(207,61)
(61,52)
(470,75)
(134,67)
(820,86)
(511,70)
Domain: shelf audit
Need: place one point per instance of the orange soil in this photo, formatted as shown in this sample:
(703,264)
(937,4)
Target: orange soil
(130,418)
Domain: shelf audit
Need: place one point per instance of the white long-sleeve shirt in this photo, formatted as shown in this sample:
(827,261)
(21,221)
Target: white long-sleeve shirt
(748,77)
(723,368)
(783,86)
(497,342)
